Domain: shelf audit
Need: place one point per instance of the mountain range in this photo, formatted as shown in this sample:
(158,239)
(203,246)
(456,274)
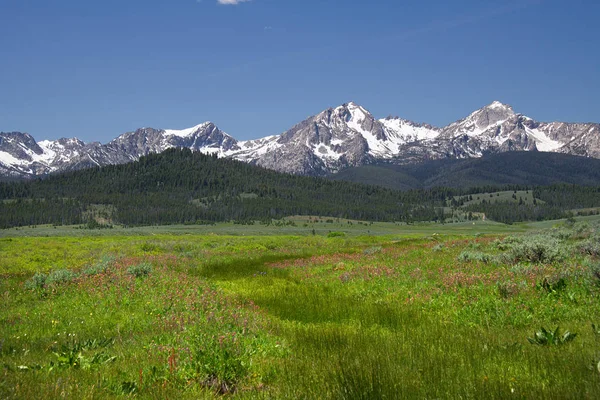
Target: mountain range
(326,143)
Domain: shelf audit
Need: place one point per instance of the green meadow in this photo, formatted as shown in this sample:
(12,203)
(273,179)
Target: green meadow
(302,308)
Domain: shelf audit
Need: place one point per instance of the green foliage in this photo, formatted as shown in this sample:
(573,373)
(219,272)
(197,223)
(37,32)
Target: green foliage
(181,187)
(595,271)
(537,249)
(477,256)
(591,247)
(335,234)
(36,282)
(507,289)
(178,186)
(125,388)
(507,212)
(372,250)
(140,270)
(545,337)
(298,317)
(517,169)
(57,277)
(100,267)
(60,276)
(79,355)
(149,247)
(438,247)
(553,285)
(93,224)
(220,361)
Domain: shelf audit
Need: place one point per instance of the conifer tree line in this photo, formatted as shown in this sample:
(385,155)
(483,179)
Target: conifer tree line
(182,187)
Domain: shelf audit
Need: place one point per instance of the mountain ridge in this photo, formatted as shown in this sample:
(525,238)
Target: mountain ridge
(328,142)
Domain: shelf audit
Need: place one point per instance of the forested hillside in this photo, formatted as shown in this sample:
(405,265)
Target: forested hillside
(511,168)
(182,187)
(179,186)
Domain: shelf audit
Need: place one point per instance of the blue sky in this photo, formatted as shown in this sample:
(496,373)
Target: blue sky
(96,69)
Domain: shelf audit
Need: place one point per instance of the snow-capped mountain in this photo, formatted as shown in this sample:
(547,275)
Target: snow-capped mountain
(205,137)
(22,156)
(334,139)
(497,128)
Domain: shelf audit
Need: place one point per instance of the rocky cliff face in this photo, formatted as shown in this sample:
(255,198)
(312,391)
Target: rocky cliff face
(332,140)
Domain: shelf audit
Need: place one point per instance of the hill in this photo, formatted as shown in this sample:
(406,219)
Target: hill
(510,168)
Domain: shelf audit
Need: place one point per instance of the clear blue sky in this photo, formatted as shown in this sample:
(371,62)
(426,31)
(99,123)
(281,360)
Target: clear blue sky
(96,69)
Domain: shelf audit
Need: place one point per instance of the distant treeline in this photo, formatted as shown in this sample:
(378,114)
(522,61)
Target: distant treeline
(557,201)
(181,187)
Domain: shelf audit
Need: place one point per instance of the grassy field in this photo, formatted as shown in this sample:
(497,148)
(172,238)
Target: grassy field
(505,196)
(249,311)
(297,226)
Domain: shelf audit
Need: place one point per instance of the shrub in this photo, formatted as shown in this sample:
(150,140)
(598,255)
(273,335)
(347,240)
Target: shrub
(507,289)
(553,285)
(336,234)
(582,230)
(506,243)
(467,256)
(100,267)
(149,247)
(220,362)
(72,355)
(561,233)
(595,271)
(438,247)
(140,270)
(521,269)
(37,281)
(542,249)
(590,247)
(60,276)
(372,250)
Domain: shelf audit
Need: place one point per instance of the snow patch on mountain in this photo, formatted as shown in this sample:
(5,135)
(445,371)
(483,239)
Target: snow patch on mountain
(542,141)
(406,131)
(326,153)
(496,105)
(253,149)
(9,160)
(186,132)
(358,115)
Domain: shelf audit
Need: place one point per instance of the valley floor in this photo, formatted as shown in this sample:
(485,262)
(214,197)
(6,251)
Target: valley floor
(352,311)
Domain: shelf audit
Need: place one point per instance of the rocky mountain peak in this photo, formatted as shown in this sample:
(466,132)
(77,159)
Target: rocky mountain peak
(72,142)
(493,113)
(480,121)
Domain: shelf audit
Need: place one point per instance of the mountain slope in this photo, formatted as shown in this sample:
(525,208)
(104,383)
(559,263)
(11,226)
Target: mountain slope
(518,168)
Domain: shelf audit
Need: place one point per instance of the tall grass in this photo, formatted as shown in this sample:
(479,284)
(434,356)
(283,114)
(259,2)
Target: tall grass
(290,317)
